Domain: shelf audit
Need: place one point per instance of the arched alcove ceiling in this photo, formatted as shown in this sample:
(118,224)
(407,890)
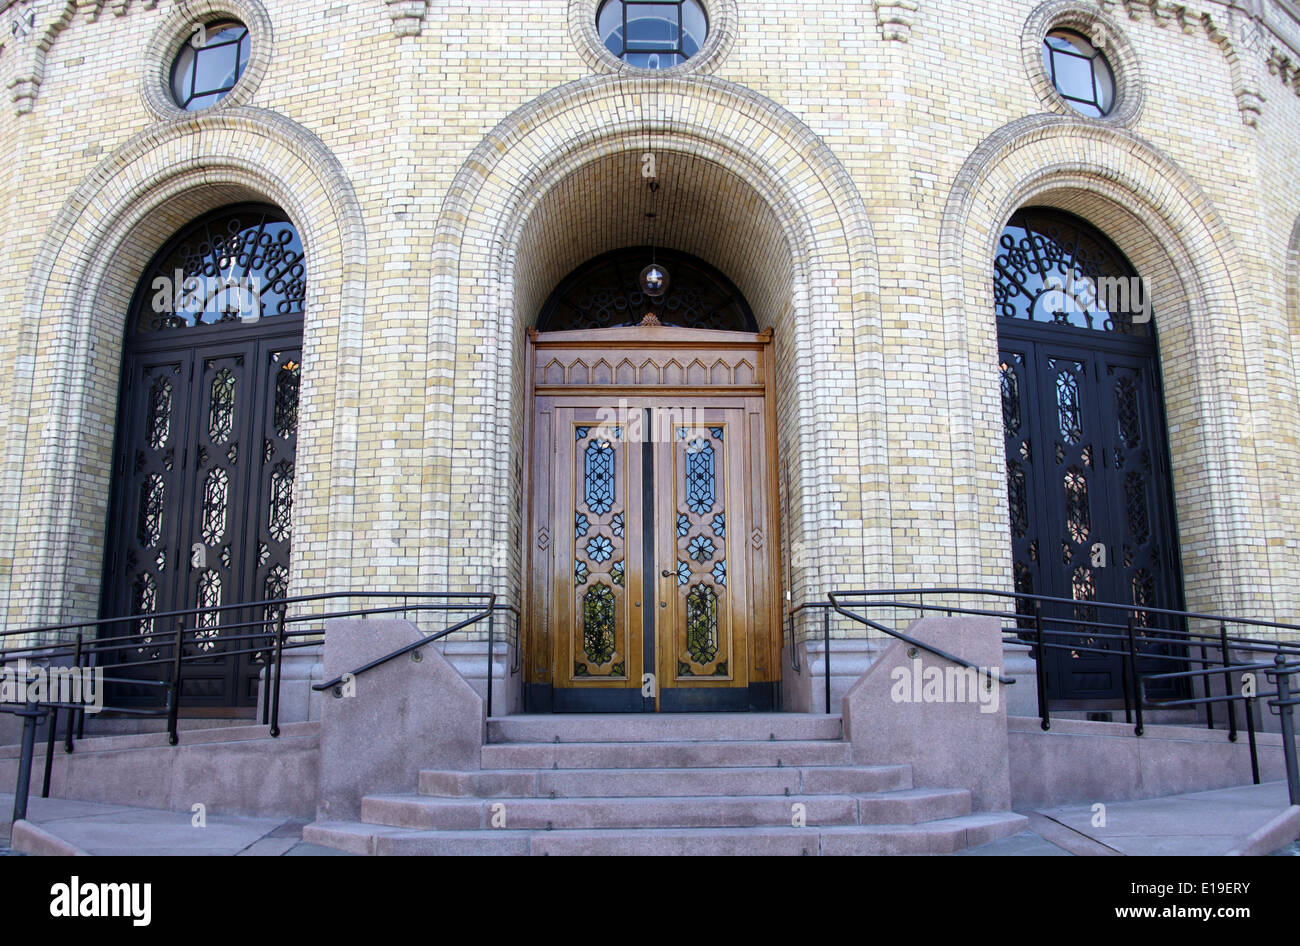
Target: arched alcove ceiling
(701,208)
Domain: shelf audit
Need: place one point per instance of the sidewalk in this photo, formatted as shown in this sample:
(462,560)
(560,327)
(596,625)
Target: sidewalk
(72,827)
(1253,819)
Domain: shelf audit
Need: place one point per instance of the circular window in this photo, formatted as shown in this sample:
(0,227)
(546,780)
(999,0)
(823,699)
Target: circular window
(1080,73)
(209,64)
(651,34)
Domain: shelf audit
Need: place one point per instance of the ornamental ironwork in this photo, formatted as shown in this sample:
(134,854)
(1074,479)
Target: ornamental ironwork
(604,293)
(235,267)
(1056,268)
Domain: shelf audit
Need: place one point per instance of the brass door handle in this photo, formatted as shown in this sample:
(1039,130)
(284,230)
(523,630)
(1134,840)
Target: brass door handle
(667,574)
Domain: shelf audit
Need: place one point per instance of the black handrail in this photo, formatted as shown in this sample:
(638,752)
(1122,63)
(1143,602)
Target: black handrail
(269,637)
(835,602)
(1136,640)
(1280,699)
(414,645)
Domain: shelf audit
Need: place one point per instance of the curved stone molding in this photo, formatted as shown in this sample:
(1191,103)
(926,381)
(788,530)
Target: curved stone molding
(78,291)
(407,16)
(832,325)
(1083,17)
(174,31)
(724,21)
(895,18)
(1169,229)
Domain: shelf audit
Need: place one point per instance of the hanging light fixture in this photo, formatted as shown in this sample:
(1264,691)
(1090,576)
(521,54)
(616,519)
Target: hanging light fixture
(654,279)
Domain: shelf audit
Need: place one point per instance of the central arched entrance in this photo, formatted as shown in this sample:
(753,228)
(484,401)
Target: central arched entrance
(652,573)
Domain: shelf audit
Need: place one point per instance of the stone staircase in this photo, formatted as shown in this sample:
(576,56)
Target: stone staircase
(668,785)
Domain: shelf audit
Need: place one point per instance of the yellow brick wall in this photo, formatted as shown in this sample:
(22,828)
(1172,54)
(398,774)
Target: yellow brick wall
(848,164)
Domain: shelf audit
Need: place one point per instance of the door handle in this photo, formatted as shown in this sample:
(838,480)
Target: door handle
(667,574)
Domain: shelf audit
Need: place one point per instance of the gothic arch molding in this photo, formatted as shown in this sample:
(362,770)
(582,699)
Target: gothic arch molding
(72,323)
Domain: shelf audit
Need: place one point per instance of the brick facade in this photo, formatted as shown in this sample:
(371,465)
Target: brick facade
(849,165)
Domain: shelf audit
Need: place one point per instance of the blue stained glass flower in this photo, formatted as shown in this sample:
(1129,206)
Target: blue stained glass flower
(700,478)
(618,526)
(701,548)
(720,525)
(599,549)
(617,572)
(683,573)
(598,491)
(582,432)
(683,526)
(580,525)
(580,573)
(716,432)
(720,572)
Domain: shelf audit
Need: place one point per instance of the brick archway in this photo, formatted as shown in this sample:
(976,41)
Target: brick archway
(1168,228)
(827,324)
(77,298)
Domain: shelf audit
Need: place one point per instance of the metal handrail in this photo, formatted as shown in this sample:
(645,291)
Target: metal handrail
(986,671)
(1137,642)
(414,645)
(1281,699)
(168,648)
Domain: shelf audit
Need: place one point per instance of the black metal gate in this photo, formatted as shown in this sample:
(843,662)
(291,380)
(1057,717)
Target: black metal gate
(1088,478)
(203,475)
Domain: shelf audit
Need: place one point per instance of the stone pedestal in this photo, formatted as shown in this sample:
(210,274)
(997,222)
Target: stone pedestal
(947,721)
(385,725)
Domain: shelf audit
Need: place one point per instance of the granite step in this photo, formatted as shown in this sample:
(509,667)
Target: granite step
(691,727)
(665,755)
(667,782)
(901,807)
(942,837)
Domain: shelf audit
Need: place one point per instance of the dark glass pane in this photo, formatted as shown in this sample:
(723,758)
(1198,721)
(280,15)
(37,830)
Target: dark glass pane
(237,266)
(1055,268)
(208,65)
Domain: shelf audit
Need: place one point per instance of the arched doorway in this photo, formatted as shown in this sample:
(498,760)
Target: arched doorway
(204,462)
(1087,460)
(651,495)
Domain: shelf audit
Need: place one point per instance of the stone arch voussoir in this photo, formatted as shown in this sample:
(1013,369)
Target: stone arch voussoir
(836,291)
(89,261)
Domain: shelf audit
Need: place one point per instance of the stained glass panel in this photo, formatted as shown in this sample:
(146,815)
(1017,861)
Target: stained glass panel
(1078,516)
(598,482)
(702,624)
(159,424)
(221,409)
(286,399)
(280,512)
(216,489)
(700,477)
(152,490)
(598,624)
(1068,408)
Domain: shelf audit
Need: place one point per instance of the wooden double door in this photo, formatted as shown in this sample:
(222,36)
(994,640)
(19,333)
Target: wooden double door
(652,569)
